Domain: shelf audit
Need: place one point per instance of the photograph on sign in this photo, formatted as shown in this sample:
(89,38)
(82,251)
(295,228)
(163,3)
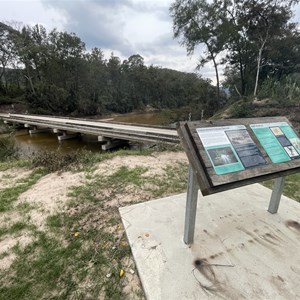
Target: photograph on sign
(245,148)
(291,151)
(219,148)
(222,156)
(278,140)
(277,131)
(296,143)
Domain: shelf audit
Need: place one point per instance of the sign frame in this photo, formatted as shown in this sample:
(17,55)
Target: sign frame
(209,182)
(203,171)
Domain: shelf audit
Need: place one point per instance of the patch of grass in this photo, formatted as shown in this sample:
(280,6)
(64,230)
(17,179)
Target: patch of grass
(173,181)
(14,164)
(291,186)
(3,255)
(16,228)
(9,195)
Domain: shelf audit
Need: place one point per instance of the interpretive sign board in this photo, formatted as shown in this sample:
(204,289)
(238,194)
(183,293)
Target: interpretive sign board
(225,154)
(230,148)
(279,141)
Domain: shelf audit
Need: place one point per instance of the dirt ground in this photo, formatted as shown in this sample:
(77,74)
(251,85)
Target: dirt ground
(50,195)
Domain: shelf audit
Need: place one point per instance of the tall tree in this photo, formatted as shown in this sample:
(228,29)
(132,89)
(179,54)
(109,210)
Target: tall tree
(199,22)
(265,20)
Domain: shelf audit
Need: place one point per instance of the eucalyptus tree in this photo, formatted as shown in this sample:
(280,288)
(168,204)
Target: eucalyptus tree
(200,22)
(264,21)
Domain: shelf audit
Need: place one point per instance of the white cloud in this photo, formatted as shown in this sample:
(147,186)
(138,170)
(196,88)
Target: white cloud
(124,27)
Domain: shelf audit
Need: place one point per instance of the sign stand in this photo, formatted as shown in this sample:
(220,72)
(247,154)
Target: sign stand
(192,198)
(276,195)
(191,207)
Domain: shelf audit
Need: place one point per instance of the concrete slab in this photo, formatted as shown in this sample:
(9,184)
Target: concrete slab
(240,251)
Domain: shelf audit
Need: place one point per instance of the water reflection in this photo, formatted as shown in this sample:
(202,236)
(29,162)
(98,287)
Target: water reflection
(47,141)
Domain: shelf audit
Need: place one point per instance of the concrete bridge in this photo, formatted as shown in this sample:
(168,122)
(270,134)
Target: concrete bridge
(110,134)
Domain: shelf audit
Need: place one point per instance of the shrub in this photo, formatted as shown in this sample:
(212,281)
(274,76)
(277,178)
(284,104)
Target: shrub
(8,148)
(54,161)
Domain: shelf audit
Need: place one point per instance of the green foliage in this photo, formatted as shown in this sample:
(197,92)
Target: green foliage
(242,109)
(8,148)
(61,77)
(286,91)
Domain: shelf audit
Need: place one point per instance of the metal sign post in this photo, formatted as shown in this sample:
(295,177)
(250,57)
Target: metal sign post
(276,195)
(191,207)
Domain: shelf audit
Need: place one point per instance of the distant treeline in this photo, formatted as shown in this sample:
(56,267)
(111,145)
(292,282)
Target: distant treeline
(52,73)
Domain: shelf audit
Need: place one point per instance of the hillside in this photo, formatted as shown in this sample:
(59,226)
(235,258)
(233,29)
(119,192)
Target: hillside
(260,108)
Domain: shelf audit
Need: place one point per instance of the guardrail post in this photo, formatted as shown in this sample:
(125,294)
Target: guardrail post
(191,207)
(276,195)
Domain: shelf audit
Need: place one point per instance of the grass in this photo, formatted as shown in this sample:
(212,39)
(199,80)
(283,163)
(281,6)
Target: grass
(82,249)
(9,195)
(9,164)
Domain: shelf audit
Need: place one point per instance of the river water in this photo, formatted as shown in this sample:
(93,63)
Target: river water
(47,141)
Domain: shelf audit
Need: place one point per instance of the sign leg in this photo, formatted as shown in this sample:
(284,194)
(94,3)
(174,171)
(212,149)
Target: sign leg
(276,195)
(191,208)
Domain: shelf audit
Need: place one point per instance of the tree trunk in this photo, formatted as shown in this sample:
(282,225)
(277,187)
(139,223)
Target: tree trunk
(259,61)
(218,80)
(258,70)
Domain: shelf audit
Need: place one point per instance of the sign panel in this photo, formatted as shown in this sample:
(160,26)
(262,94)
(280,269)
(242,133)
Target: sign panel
(279,141)
(230,148)
(226,154)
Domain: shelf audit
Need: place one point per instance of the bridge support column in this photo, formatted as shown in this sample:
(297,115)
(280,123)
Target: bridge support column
(38,130)
(111,143)
(66,136)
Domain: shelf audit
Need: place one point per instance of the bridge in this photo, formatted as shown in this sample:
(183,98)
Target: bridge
(110,134)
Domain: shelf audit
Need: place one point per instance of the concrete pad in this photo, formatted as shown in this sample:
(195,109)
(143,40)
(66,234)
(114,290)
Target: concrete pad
(242,251)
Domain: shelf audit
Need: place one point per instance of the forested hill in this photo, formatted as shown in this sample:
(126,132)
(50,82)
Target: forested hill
(52,73)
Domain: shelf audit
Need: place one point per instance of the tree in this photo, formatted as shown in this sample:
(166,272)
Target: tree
(265,20)
(253,28)
(199,22)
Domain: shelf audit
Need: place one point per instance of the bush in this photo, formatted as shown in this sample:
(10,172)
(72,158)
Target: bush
(242,109)
(285,91)
(54,161)
(8,148)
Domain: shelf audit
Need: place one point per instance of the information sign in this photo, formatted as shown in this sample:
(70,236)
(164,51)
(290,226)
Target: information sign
(279,141)
(230,148)
(225,154)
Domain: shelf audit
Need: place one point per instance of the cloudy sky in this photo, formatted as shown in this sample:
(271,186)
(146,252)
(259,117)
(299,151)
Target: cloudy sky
(124,27)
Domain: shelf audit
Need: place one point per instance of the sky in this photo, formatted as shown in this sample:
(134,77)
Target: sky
(124,27)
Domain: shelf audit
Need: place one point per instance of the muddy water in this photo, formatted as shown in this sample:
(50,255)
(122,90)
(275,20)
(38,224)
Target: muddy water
(48,141)
(150,118)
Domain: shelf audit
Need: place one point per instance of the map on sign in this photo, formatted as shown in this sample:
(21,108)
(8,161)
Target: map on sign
(230,148)
(279,141)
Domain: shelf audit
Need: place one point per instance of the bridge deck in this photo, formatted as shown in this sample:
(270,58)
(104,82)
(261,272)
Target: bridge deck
(100,128)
